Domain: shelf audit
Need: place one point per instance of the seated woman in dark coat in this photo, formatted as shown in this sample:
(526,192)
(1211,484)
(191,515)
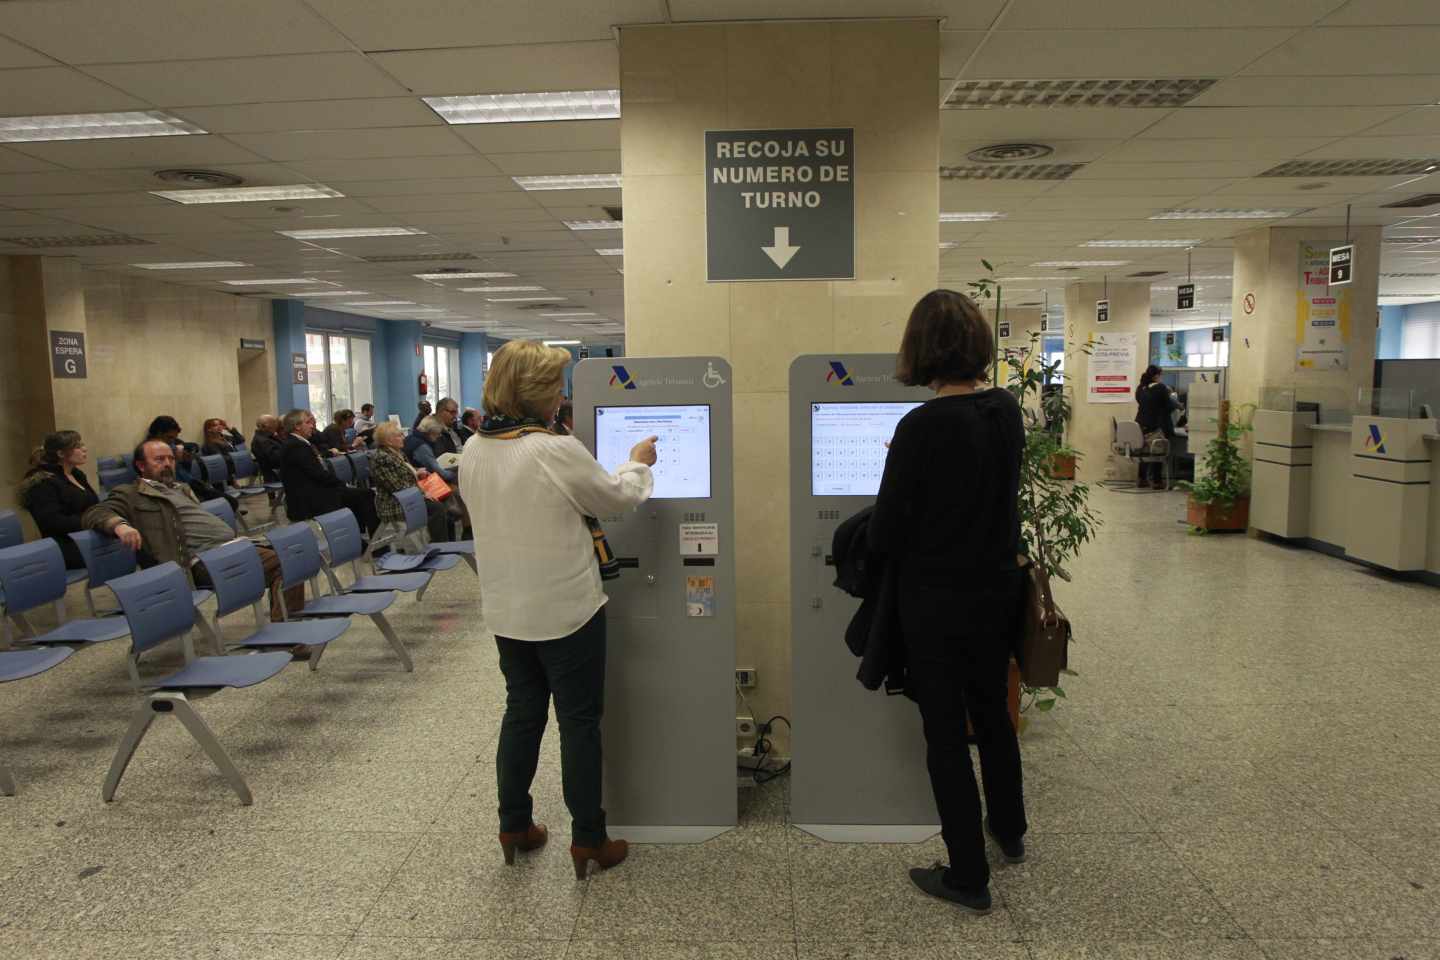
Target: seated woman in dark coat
(57,492)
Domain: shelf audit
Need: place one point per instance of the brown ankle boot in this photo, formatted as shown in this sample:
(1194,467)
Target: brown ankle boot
(609,854)
(532,839)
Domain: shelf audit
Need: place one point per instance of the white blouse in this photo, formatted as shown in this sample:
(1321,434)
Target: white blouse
(528,499)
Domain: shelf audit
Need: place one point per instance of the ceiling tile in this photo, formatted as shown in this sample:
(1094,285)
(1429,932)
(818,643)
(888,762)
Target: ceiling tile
(1242,122)
(489,138)
(293,214)
(956,47)
(1368,51)
(587,65)
(1320,91)
(1365,148)
(253,175)
(477,202)
(375,142)
(312,115)
(410,188)
(316,76)
(1193,151)
(1079,123)
(397,168)
(12,162)
(555,199)
(24,189)
(152,152)
(420,24)
(104,31)
(550,164)
(45,90)
(1365,13)
(1424,122)
(957,14)
(1130,14)
(1170,187)
(138,221)
(1042,54)
(13,54)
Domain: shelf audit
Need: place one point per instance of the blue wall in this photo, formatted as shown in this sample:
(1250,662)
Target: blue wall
(289,317)
(403,364)
(472,369)
(1389,334)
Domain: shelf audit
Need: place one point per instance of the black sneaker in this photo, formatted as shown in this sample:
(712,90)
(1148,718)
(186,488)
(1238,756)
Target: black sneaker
(932,881)
(1012,852)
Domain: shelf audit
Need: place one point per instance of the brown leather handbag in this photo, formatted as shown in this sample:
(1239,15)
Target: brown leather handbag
(1044,637)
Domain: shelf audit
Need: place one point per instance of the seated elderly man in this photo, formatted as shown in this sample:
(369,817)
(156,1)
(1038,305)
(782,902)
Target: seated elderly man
(162,521)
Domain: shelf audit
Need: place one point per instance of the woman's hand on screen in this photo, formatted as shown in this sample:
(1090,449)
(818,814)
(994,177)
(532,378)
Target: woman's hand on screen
(644,452)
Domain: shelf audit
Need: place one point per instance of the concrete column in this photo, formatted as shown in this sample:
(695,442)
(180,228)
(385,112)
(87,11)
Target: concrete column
(1090,430)
(1266,322)
(678,82)
(289,340)
(403,362)
(472,369)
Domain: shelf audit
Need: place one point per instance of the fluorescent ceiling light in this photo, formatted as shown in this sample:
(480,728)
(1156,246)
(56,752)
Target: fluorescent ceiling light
(1010,279)
(527,107)
(1138,244)
(191,265)
(971,216)
(611,251)
(948,244)
(1080,263)
(562,343)
(570,313)
(300,191)
(524,299)
(335,293)
(276,282)
(519,289)
(593,224)
(570,181)
(468,275)
(338,233)
(93,126)
(380,303)
(1223,214)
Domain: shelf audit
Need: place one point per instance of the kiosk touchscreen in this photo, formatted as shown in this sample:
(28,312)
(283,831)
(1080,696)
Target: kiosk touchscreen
(857,756)
(669,727)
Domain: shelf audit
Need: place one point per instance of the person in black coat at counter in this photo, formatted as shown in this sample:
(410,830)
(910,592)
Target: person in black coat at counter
(311,488)
(947,520)
(1156,404)
(57,492)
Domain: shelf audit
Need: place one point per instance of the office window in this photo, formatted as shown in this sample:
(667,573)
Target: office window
(442,369)
(1420,338)
(338,373)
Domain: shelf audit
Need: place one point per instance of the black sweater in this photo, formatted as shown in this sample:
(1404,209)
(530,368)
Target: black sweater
(56,504)
(948,509)
(1155,405)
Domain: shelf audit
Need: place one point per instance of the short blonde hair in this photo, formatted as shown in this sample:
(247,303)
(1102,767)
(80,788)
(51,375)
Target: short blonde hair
(386,430)
(525,378)
(431,425)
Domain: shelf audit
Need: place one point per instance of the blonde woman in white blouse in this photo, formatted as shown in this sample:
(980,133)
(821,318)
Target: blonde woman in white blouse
(529,491)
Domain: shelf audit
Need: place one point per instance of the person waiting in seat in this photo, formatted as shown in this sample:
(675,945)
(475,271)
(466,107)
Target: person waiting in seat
(365,422)
(57,493)
(167,429)
(470,420)
(424,445)
(1156,403)
(310,487)
(331,440)
(452,432)
(266,446)
(217,441)
(390,473)
(161,520)
(424,411)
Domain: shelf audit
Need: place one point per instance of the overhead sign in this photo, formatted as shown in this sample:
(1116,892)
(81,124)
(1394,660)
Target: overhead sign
(1342,260)
(1004,329)
(1169,339)
(297,368)
(780,204)
(1102,311)
(67,354)
(1044,324)
(248,344)
(1217,335)
(1185,296)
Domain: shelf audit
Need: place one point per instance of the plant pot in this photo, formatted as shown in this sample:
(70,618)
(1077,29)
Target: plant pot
(1219,516)
(1062,466)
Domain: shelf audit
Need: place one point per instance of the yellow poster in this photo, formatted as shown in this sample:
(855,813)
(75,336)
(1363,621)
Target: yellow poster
(1322,315)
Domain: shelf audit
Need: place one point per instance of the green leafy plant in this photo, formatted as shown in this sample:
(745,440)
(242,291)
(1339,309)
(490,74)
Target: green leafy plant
(1227,471)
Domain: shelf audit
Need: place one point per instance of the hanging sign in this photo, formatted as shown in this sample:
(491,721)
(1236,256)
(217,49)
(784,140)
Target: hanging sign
(1044,324)
(1004,329)
(1169,339)
(1217,335)
(1112,369)
(1322,315)
(780,204)
(67,354)
(297,368)
(1185,296)
(1102,311)
(1342,259)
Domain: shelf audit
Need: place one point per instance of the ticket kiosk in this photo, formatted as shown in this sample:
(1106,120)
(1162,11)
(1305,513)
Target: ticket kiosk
(669,727)
(858,756)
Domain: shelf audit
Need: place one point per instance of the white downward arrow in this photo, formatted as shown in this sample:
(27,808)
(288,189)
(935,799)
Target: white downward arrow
(781,251)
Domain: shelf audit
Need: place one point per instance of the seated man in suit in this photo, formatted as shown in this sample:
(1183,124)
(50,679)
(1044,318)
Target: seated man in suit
(311,488)
(453,433)
(265,446)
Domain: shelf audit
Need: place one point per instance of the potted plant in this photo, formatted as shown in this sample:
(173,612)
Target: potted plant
(1220,499)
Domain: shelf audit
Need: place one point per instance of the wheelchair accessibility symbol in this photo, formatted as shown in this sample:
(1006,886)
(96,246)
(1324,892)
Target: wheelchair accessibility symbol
(712,377)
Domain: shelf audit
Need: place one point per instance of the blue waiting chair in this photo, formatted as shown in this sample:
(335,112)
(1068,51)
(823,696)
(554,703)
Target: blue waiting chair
(345,546)
(33,575)
(239,580)
(110,479)
(360,462)
(437,556)
(157,607)
(222,509)
(247,470)
(300,563)
(107,558)
(17,665)
(11,533)
(340,466)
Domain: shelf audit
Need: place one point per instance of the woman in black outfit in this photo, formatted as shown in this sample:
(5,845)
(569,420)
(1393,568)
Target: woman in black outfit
(56,491)
(1155,405)
(948,517)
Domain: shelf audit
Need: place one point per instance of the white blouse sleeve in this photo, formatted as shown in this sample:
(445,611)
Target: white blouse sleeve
(587,485)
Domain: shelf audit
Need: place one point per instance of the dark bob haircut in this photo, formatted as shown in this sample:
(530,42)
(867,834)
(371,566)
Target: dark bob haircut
(946,341)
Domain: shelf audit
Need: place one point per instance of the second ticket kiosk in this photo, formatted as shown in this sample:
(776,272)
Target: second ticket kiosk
(857,756)
(669,726)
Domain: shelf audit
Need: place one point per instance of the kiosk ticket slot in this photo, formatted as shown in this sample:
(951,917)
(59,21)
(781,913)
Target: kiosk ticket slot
(858,757)
(669,727)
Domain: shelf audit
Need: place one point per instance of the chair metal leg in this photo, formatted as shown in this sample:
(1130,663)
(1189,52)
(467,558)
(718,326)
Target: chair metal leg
(203,736)
(211,634)
(474,564)
(420,594)
(90,602)
(395,641)
(315,654)
(140,721)
(7,782)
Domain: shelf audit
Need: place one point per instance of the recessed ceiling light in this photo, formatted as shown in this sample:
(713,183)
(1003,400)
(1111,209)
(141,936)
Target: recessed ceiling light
(971,216)
(191,265)
(276,282)
(338,233)
(93,126)
(379,303)
(611,251)
(593,224)
(524,299)
(1010,279)
(570,313)
(466,275)
(1222,214)
(948,244)
(1076,264)
(334,293)
(523,288)
(562,343)
(570,181)
(527,107)
(1120,244)
(300,191)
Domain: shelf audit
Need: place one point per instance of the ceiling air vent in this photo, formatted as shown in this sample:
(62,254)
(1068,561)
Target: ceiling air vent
(419,257)
(1408,276)
(1042,94)
(1410,240)
(1423,200)
(85,240)
(1149,273)
(1351,168)
(1010,153)
(199,178)
(1014,171)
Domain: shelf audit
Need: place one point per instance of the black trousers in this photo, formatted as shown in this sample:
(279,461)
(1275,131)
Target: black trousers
(362,504)
(573,670)
(959,643)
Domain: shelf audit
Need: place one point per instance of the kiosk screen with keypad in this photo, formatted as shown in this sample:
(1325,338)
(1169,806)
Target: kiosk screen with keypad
(847,446)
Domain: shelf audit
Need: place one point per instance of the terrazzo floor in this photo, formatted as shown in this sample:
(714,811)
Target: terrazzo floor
(1245,768)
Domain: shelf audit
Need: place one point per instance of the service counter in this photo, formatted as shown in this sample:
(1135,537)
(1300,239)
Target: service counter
(1367,489)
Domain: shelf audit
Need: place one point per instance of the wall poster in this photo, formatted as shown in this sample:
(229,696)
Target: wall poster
(1112,368)
(1322,314)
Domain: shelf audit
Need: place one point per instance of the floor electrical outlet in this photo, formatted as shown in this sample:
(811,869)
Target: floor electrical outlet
(745,677)
(744,726)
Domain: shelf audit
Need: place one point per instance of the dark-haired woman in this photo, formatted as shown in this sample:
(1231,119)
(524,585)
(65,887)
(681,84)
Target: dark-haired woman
(57,492)
(948,517)
(1155,403)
